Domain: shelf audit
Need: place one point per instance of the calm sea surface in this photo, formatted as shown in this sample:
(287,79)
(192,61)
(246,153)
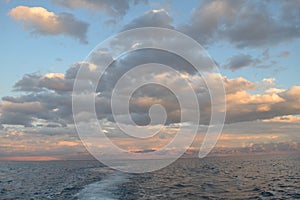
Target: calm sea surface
(247,177)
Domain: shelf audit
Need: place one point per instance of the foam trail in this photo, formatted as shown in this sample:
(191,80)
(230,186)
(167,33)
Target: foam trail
(104,189)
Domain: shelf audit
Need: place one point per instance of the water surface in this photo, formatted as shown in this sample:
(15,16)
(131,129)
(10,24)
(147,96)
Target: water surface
(235,177)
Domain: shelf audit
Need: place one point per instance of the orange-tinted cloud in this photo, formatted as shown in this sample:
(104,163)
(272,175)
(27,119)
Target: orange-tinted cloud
(43,22)
(284,119)
(68,143)
(29,158)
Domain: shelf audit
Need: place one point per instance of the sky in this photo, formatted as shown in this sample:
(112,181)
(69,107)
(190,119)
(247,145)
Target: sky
(43,44)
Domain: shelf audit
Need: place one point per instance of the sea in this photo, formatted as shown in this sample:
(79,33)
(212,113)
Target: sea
(230,177)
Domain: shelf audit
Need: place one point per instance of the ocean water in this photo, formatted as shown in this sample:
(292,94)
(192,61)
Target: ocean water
(240,177)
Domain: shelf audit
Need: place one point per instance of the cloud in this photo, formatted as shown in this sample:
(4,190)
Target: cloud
(243,106)
(43,108)
(37,83)
(69,143)
(236,85)
(110,7)
(208,17)
(55,81)
(269,82)
(45,111)
(291,11)
(284,119)
(15,134)
(152,18)
(240,61)
(47,100)
(15,141)
(28,83)
(42,22)
(284,54)
(54,90)
(239,23)
(26,107)
(243,23)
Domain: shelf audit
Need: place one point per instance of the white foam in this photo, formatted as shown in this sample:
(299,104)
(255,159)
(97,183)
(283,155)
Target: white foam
(104,189)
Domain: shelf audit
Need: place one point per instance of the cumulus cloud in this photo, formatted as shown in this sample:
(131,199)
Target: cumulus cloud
(233,22)
(152,18)
(44,107)
(43,22)
(55,81)
(37,83)
(243,106)
(28,83)
(235,85)
(110,7)
(47,100)
(243,23)
(53,91)
(208,17)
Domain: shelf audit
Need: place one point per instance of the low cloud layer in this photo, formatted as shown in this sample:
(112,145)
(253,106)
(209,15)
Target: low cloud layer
(48,97)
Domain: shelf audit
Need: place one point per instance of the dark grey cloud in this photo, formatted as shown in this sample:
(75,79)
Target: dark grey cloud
(208,18)
(291,11)
(244,23)
(47,100)
(51,107)
(154,95)
(139,57)
(152,18)
(37,83)
(56,83)
(43,108)
(110,7)
(240,61)
(15,118)
(29,83)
